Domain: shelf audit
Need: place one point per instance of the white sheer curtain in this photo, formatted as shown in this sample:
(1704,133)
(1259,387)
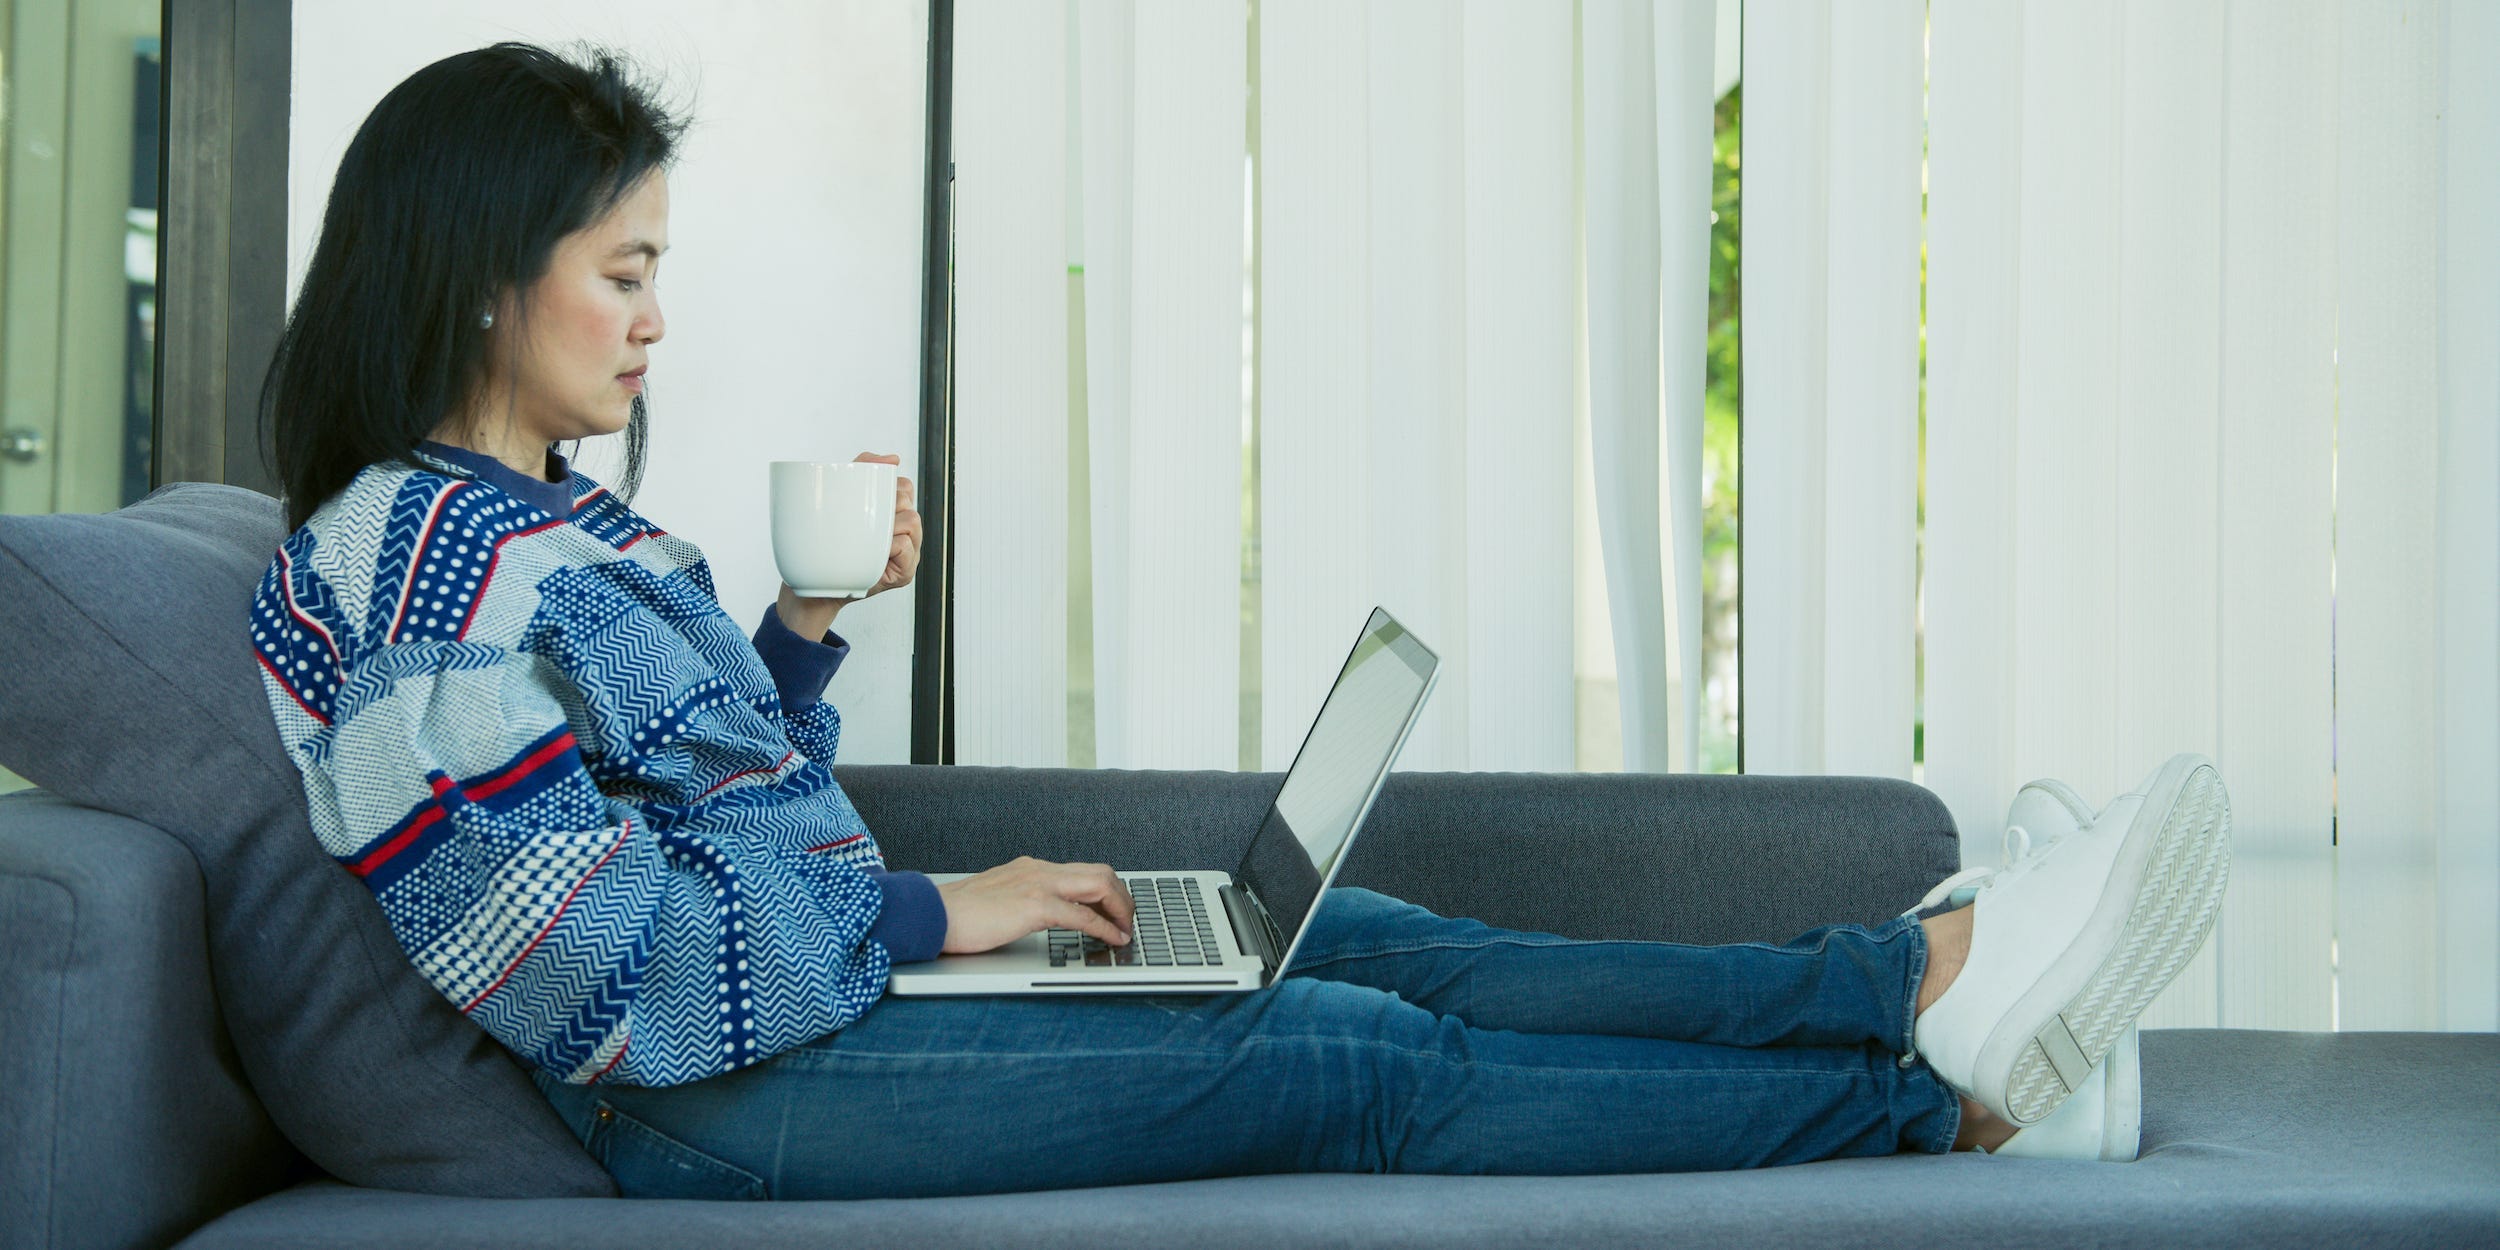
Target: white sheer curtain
(2466,688)
(1167,458)
(2194,483)
(1831,384)
(2211,316)
(1011,434)
(1417,300)
(1415,363)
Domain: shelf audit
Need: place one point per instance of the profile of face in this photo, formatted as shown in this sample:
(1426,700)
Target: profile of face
(572,368)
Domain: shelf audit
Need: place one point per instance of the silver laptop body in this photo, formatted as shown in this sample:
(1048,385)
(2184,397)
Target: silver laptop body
(1217,932)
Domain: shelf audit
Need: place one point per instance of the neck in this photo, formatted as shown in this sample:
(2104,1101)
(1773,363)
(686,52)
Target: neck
(515,447)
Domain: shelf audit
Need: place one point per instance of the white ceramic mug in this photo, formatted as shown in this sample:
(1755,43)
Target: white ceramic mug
(833,525)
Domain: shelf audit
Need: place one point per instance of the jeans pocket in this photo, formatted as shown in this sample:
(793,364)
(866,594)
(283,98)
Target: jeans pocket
(648,1163)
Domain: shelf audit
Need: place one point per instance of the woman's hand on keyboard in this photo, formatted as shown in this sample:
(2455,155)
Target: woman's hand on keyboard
(1028,895)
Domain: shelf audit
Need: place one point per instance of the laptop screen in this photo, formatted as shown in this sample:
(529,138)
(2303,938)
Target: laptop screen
(1338,771)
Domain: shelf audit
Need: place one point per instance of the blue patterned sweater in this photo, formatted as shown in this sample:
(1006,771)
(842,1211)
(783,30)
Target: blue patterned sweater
(597,813)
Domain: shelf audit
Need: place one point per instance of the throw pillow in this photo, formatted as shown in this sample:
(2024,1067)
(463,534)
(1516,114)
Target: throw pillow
(127,684)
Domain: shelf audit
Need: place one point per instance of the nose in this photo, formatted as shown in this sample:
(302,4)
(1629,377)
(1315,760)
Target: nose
(651,327)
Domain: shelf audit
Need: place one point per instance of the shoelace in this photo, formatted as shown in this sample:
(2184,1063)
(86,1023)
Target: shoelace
(1963,886)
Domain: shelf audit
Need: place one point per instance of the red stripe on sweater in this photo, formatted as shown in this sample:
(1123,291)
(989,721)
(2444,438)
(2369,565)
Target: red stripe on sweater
(836,845)
(416,560)
(286,591)
(497,783)
(625,832)
(382,854)
(273,672)
(487,578)
(751,772)
(611,1064)
(442,786)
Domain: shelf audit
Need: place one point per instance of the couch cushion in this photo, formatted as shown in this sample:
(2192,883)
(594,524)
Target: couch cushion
(129,686)
(2251,1139)
(113,1062)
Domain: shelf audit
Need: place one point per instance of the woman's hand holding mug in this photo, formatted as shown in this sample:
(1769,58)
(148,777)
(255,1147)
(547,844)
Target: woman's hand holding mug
(826,529)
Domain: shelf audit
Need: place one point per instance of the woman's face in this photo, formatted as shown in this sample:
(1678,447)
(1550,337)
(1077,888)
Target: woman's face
(577,363)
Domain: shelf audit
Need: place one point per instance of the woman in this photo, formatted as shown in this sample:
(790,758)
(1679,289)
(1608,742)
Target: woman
(600,816)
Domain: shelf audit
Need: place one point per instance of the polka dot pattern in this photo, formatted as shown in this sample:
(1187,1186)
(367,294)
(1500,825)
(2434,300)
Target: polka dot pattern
(454,556)
(299,631)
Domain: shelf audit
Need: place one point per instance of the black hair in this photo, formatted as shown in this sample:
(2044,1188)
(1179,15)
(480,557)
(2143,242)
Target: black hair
(455,191)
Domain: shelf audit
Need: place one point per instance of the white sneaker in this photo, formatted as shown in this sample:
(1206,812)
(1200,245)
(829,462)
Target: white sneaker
(2043,811)
(2072,940)
(2049,806)
(2104,1119)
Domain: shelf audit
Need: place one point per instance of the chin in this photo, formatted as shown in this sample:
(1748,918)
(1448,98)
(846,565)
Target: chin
(597,425)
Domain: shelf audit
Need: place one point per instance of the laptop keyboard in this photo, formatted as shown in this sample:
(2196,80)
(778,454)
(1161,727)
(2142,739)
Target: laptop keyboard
(1172,929)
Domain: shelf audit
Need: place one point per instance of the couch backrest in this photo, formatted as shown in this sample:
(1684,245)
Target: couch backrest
(1668,857)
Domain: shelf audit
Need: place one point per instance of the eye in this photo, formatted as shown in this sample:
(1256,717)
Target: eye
(627,285)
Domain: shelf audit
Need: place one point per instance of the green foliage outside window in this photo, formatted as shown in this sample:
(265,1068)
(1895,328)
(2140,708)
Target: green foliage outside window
(1722,401)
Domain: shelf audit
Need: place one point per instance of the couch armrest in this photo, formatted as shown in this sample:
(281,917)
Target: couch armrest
(129,1122)
(1669,857)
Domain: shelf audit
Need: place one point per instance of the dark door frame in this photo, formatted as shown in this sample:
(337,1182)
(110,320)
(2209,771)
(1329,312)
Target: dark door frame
(221,235)
(221,290)
(933,640)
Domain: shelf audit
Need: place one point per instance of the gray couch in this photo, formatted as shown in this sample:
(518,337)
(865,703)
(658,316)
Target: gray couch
(209,1036)
(130,1121)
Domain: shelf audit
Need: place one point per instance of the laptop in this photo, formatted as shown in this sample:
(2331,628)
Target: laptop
(1226,932)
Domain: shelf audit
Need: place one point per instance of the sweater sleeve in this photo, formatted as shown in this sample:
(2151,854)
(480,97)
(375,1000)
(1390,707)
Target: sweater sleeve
(912,924)
(594,938)
(801,669)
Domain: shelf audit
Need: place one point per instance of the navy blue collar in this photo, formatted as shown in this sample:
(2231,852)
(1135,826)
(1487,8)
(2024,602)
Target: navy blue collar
(554,498)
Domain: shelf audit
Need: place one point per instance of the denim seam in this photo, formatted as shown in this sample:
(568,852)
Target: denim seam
(1374,950)
(1472,1062)
(1264,1042)
(1369,950)
(1941,1143)
(1916,978)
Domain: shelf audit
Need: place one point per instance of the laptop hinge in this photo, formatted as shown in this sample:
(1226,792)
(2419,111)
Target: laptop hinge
(1252,926)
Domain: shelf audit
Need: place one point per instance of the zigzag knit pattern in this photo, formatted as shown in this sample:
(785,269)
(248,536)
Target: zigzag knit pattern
(566,775)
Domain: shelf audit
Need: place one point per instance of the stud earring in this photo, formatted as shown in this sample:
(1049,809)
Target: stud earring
(486,321)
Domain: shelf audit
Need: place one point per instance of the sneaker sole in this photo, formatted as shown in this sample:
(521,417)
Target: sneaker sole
(2177,856)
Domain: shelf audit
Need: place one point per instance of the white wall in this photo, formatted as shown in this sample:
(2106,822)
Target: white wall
(792,287)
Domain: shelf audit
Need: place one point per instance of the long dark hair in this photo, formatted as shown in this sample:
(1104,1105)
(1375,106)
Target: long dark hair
(455,190)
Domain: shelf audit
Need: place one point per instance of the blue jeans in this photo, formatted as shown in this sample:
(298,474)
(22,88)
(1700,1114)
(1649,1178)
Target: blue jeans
(1401,1042)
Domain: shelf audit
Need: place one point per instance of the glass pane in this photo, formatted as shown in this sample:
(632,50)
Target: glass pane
(78,185)
(78,198)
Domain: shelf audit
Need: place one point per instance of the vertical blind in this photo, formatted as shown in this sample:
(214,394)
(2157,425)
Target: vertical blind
(1831,384)
(2186,462)
(2195,304)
